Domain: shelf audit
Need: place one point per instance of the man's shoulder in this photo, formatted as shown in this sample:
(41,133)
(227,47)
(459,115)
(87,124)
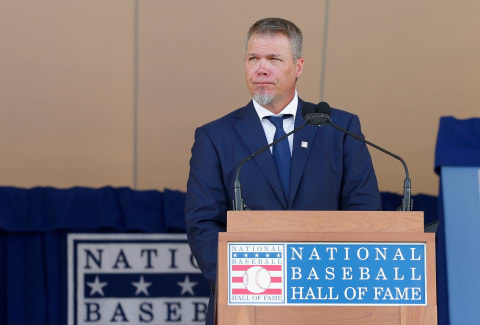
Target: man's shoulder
(342,114)
(342,117)
(338,116)
(228,120)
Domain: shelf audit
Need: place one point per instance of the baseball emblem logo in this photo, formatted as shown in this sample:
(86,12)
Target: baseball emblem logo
(256,279)
(256,273)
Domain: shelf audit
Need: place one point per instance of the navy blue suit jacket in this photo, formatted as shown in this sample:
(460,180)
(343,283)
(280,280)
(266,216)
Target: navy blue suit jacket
(330,171)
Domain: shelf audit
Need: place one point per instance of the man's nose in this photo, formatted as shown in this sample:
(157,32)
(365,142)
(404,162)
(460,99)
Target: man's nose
(262,68)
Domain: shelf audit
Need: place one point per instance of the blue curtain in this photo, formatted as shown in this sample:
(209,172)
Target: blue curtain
(33,227)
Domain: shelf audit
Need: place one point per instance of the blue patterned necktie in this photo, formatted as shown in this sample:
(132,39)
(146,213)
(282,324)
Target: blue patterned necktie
(281,152)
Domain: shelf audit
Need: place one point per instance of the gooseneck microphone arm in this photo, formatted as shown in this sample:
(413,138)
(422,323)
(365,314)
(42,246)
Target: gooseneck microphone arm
(238,204)
(407,187)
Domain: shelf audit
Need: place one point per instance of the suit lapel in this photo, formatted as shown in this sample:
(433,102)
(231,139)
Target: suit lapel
(302,143)
(250,130)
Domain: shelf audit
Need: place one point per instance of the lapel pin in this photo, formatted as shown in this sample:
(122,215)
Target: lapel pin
(304,144)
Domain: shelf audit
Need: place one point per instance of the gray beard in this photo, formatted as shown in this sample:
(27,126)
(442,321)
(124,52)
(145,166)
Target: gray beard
(263,98)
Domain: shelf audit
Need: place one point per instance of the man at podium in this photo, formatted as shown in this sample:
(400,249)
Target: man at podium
(317,168)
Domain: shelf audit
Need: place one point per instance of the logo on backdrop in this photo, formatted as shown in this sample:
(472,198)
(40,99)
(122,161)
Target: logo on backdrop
(327,273)
(134,279)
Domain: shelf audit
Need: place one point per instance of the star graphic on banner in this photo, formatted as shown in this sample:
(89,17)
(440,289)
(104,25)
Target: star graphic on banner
(235,255)
(256,255)
(268,255)
(142,286)
(278,254)
(246,255)
(187,286)
(96,286)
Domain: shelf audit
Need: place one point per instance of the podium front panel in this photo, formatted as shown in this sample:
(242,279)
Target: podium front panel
(251,277)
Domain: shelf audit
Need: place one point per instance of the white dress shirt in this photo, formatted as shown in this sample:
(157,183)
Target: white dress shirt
(288,123)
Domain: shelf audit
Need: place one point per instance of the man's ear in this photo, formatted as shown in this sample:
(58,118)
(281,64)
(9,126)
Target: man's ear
(299,67)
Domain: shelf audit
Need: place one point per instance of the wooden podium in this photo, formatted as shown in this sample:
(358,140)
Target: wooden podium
(325,226)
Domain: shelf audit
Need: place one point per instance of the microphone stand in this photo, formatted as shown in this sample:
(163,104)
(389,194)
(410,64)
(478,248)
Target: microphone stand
(407,186)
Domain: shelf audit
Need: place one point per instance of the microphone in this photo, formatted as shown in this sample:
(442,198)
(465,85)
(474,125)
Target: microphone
(309,112)
(322,116)
(317,115)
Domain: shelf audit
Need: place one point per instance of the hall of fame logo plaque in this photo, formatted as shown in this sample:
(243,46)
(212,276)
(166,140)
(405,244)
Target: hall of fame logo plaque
(337,273)
(256,273)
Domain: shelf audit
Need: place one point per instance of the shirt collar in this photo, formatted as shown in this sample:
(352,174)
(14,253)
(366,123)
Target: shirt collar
(291,108)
